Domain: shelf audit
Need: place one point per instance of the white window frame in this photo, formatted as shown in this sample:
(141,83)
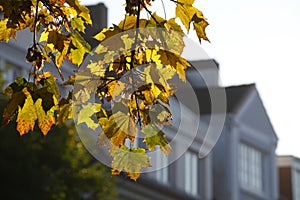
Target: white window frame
(250,168)
(191,173)
(160,161)
(297,184)
(9,71)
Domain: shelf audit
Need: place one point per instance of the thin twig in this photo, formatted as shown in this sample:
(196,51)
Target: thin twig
(137,25)
(35,23)
(138,110)
(177,2)
(150,13)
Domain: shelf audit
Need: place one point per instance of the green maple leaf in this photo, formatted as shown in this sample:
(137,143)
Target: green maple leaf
(129,160)
(154,137)
(17,99)
(65,112)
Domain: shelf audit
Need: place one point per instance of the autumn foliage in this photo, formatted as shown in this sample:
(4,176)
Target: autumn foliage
(128,73)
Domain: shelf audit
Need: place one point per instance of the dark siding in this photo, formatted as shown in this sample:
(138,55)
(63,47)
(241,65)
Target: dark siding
(285,183)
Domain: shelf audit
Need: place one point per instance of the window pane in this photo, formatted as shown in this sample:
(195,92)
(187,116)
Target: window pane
(297,185)
(160,161)
(191,173)
(8,73)
(250,167)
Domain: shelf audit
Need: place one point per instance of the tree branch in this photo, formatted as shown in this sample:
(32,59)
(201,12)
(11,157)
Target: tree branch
(35,23)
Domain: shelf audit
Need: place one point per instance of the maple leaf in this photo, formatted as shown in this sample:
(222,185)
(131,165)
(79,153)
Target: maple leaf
(86,113)
(57,39)
(185,12)
(45,120)
(200,30)
(81,47)
(26,115)
(129,160)
(81,10)
(174,61)
(77,23)
(171,24)
(49,83)
(17,99)
(154,136)
(157,19)
(65,112)
(5,32)
(123,120)
(16,86)
(107,33)
(128,23)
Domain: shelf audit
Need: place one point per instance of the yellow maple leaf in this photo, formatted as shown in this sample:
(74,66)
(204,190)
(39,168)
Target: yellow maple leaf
(45,120)
(26,115)
(129,160)
(200,30)
(154,136)
(185,13)
(5,32)
(86,113)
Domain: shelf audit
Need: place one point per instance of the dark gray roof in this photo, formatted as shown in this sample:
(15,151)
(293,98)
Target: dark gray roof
(234,97)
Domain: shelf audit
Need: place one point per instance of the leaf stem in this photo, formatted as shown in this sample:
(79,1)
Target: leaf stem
(138,111)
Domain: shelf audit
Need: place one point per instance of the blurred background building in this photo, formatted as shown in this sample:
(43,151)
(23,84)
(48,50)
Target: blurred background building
(242,165)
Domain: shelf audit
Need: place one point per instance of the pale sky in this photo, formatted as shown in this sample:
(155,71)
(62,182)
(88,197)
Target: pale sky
(254,42)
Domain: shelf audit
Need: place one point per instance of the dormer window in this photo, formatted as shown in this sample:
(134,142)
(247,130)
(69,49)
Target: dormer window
(160,161)
(297,185)
(250,168)
(191,173)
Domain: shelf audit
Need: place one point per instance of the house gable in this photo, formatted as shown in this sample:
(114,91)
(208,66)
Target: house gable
(252,115)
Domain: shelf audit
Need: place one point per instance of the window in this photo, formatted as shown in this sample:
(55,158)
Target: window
(191,173)
(160,161)
(297,185)
(8,73)
(250,168)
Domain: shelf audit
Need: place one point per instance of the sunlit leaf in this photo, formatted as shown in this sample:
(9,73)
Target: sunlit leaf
(154,136)
(107,33)
(185,12)
(157,19)
(26,115)
(82,47)
(5,32)
(124,122)
(175,61)
(129,160)
(45,119)
(44,36)
(77,23)
(86,113)
(171,24)
(200,29)
(128,23)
